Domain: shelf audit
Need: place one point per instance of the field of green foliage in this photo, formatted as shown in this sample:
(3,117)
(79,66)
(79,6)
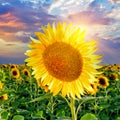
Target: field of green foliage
(23,98)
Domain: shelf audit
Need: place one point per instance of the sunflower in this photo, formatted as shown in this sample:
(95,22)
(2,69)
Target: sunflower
(26,72)
(15,72)
(4,66)
(94,89)
(63,59)
(12,66)
(109,68)
(4,97)
(103,81)
(113,76)
(118,68)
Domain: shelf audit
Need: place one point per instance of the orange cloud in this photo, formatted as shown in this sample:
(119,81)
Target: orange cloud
(3,33)
(9,20)
(9,25)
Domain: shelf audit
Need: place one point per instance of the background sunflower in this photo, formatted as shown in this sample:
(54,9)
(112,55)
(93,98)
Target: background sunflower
(15,73)
(26,72)
(103,81)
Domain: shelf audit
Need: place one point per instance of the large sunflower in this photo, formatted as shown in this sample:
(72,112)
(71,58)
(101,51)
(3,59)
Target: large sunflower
(62,58)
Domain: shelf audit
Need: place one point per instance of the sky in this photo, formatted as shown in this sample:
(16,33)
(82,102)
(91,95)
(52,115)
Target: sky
(19,19)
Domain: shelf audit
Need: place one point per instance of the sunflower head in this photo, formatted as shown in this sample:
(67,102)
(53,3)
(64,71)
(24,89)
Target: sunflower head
(118,68)
(26,72)
(12,66)
(63,60)
(103,81)
(109,68)
(4,97)
(4,66)
(113,76)
(15,73)
(94,89)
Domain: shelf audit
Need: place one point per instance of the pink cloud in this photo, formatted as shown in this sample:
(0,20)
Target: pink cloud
(89,18)
(9,25)
(8,20)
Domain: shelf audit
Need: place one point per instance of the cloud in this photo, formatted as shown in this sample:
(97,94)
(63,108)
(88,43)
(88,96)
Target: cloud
(9,20)
(90,18)
(114,1)
(12,49)
(9,25)
(24,16)
(109,32)
(5,8)
(63,7)
(100,6)
(20,33)
(19,19)
(114,13)
(110,51)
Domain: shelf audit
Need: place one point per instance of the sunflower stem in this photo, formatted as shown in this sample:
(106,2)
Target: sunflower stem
(72,107)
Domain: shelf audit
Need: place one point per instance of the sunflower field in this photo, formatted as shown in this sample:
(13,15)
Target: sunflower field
(22,97)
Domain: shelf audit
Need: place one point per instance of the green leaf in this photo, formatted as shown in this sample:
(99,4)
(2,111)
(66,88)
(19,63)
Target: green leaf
(104,116)
(18,117)
(89,116)
(46,96)
(39,113)
(60,113)
(4,115)
(118,118)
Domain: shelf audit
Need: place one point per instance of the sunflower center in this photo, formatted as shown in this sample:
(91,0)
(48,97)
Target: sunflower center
(102,81)
(26,73)
(112,77)
(14,73)
(63,61)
